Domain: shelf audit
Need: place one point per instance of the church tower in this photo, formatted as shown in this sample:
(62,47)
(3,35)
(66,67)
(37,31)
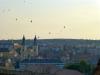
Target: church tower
(35,46)
(23,48)
(23,41)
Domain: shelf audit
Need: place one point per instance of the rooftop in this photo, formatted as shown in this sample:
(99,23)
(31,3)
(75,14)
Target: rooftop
(4,49)
(42,61)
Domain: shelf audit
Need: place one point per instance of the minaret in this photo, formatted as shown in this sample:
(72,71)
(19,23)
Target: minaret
(35,46)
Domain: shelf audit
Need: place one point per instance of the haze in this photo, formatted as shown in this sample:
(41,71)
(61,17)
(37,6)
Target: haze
(77,19)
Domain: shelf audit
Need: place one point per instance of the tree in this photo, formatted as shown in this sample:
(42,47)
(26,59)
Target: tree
(82,66)
(85,67)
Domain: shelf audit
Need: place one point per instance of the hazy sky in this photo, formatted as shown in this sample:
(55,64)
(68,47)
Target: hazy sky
(50,19)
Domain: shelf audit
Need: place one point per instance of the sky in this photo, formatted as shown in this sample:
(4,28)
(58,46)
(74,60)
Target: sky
(76,19)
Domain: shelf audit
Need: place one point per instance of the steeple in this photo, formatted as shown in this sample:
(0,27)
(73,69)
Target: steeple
(23,48)
(35,47)
(23,41)
(35,40)
(12,41)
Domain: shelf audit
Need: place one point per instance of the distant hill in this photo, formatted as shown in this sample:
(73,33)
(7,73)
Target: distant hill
(57,41)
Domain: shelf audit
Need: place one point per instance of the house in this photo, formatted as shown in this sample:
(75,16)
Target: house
(4,53)
(48,69)
(2,62)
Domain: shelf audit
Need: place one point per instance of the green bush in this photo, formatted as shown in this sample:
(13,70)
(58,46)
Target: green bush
(82,67)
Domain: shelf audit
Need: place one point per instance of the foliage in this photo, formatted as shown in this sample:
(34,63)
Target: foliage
(82,66)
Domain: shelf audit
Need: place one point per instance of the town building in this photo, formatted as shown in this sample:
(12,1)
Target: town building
(29,52)
(4,53)
(28,62)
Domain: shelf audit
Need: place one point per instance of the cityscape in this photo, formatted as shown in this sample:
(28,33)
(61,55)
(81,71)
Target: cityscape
(49,37)
(46,56)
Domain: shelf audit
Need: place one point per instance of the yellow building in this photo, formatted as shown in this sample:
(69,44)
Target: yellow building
(9,64)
